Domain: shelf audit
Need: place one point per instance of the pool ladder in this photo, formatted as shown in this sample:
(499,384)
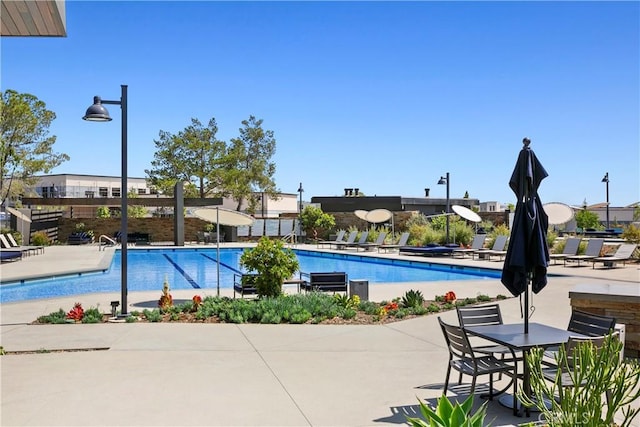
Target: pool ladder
(104,241)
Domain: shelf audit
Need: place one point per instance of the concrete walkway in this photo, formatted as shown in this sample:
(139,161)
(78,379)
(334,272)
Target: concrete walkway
(240,375)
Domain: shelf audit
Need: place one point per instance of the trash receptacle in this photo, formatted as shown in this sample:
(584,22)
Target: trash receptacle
(359,287)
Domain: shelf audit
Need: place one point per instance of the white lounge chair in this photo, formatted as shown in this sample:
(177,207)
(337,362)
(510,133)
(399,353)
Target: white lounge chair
(623,253)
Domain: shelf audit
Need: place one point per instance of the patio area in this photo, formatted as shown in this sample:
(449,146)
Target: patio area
(230,375)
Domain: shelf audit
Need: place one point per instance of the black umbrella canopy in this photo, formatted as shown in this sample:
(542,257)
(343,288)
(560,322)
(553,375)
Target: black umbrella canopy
(528,254)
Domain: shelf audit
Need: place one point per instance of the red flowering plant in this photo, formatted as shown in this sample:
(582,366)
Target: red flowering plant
(76,313)
(197,300)
(450,297)
(391,306)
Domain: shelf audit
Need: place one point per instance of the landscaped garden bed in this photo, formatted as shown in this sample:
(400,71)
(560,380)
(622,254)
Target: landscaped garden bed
(310,308)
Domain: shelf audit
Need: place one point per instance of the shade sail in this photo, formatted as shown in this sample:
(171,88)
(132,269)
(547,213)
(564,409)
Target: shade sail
(224,216)
(378,215)
(558,213)
(466,213)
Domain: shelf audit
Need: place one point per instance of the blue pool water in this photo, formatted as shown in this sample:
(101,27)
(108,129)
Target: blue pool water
(197,269)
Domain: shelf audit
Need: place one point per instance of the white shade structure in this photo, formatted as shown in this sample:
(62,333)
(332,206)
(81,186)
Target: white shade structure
(224,217)
(558,213)
(466,213)
(360,213)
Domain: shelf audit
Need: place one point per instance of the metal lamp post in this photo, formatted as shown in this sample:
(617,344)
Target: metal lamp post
(98,113)
(606,181)
(441,181)
(300,191)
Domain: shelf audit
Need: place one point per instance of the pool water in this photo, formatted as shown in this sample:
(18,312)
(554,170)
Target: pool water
(197,269)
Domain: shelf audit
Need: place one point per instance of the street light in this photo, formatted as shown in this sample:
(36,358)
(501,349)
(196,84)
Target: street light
(606,180)
(445,180)
(98,113)
(300,191)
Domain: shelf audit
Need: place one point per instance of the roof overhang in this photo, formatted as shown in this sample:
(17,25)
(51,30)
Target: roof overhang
(34,18)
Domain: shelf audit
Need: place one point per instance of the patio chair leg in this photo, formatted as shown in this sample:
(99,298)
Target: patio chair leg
(446,381)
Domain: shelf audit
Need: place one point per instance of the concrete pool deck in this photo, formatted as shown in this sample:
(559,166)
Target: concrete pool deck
(242,375)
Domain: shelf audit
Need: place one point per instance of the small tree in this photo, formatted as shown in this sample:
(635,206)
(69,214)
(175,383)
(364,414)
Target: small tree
(314,219)
(587,219)
(274,264)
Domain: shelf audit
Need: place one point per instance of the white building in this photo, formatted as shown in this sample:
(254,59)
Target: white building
(89,186)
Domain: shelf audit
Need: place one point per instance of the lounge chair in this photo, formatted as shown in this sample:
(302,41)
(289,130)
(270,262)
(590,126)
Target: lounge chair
(30,248)
(4,242)
(79,238)
(570,249)
(371,245)
(431,249)
(361,241)
(497,248)
(339,238)
(623,254)
(476,244)
(401,242)
(343,243)
(594,246)
(10,255)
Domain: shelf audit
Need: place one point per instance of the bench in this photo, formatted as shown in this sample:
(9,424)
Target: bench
(324,282)
(244,284)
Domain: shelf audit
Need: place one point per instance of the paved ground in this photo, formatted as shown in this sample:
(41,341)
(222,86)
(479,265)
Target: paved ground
(240,375)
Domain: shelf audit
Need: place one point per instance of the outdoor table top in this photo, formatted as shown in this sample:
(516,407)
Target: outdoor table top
(512,335)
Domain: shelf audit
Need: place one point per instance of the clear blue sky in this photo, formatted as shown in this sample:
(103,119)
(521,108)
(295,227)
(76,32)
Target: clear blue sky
(383,96)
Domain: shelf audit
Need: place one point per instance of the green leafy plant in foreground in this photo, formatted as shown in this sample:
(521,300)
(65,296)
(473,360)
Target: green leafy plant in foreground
(594,372)
(448,415)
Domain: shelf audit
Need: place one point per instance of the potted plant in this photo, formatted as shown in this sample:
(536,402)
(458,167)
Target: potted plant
(272,262)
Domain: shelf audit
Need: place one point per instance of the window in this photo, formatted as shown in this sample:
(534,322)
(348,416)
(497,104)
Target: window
(115,192)
(103,192)
(89,194)
(142,191)
(153,190)
(45,192)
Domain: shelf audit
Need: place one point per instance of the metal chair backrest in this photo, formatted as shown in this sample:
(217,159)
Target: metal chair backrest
(480,315)
(571,246)
(457,340)
(478,241)
(403,239)
(597,342)
(591,325)
(363,237)
(594,246)
(500,243)
(340,235)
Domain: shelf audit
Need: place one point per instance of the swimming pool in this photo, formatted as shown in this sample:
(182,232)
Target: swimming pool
(197,269)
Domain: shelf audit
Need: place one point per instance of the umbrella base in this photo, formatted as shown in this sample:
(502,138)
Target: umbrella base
(506,400)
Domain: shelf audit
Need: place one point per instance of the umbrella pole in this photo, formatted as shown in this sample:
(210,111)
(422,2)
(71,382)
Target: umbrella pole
(218,251)
(526,303)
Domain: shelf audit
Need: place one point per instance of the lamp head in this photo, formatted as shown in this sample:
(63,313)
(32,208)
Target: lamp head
(442,180)
(606,177)
(97,112)
(300,189)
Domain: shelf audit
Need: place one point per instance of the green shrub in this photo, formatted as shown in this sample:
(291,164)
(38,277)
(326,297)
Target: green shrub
(433,308)
(55,317)
(274,264)
(631,233)
(412,298)
(595,372)
(483,298)
(152,315)
(448,415)
(92,315)
(40,238)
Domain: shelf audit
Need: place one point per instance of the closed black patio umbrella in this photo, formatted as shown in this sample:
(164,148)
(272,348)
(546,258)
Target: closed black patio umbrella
(528,254)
